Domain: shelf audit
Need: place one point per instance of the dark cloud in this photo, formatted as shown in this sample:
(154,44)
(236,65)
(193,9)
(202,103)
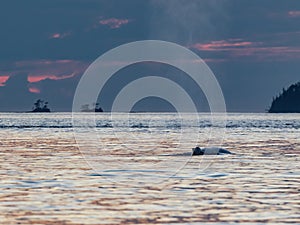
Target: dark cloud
(252,46)
(15,94)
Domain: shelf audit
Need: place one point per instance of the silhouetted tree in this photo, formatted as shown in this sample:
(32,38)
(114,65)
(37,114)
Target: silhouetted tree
(37,104)
(40,106)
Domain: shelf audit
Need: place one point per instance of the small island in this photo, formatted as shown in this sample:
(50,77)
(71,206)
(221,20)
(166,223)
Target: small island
(40,106)
(95,108)
(288,101)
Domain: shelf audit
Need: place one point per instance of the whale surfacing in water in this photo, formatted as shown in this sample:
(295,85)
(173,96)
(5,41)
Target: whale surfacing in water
(210,151)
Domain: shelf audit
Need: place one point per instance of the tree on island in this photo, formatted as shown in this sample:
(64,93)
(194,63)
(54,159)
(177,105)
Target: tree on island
(40,106)
(288,100)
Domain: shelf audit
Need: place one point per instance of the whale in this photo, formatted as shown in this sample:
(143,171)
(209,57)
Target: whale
(210,151)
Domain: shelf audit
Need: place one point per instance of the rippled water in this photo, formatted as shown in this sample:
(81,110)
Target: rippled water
(141,170)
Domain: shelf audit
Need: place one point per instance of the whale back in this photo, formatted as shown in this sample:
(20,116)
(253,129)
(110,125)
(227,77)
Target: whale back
(224,151)
(210,151)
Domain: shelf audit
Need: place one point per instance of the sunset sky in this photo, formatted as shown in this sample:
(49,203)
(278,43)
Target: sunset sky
(252,46)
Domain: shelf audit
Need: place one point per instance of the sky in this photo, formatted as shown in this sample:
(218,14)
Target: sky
(252,47)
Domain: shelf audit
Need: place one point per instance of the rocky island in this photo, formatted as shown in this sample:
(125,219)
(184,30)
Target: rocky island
(40,106)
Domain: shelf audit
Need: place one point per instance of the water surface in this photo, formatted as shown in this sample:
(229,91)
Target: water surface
(45,178)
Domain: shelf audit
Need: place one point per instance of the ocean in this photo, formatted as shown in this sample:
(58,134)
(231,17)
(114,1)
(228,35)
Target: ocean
(137,168)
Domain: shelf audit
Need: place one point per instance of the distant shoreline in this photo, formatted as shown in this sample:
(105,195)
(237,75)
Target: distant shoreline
(287,101)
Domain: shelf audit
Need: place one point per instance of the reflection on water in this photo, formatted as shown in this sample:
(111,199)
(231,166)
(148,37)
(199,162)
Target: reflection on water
(45,180)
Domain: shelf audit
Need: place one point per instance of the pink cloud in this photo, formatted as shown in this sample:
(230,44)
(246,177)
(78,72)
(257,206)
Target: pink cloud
(3,79)
(284,14)
(294,13)
(56,35)
(34,90)
(64,68)
(59,35)
(279,52)
(37,78)
(222,45)
(114,23)
(211,60)
(38,70)
(46,63)
(238,49)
